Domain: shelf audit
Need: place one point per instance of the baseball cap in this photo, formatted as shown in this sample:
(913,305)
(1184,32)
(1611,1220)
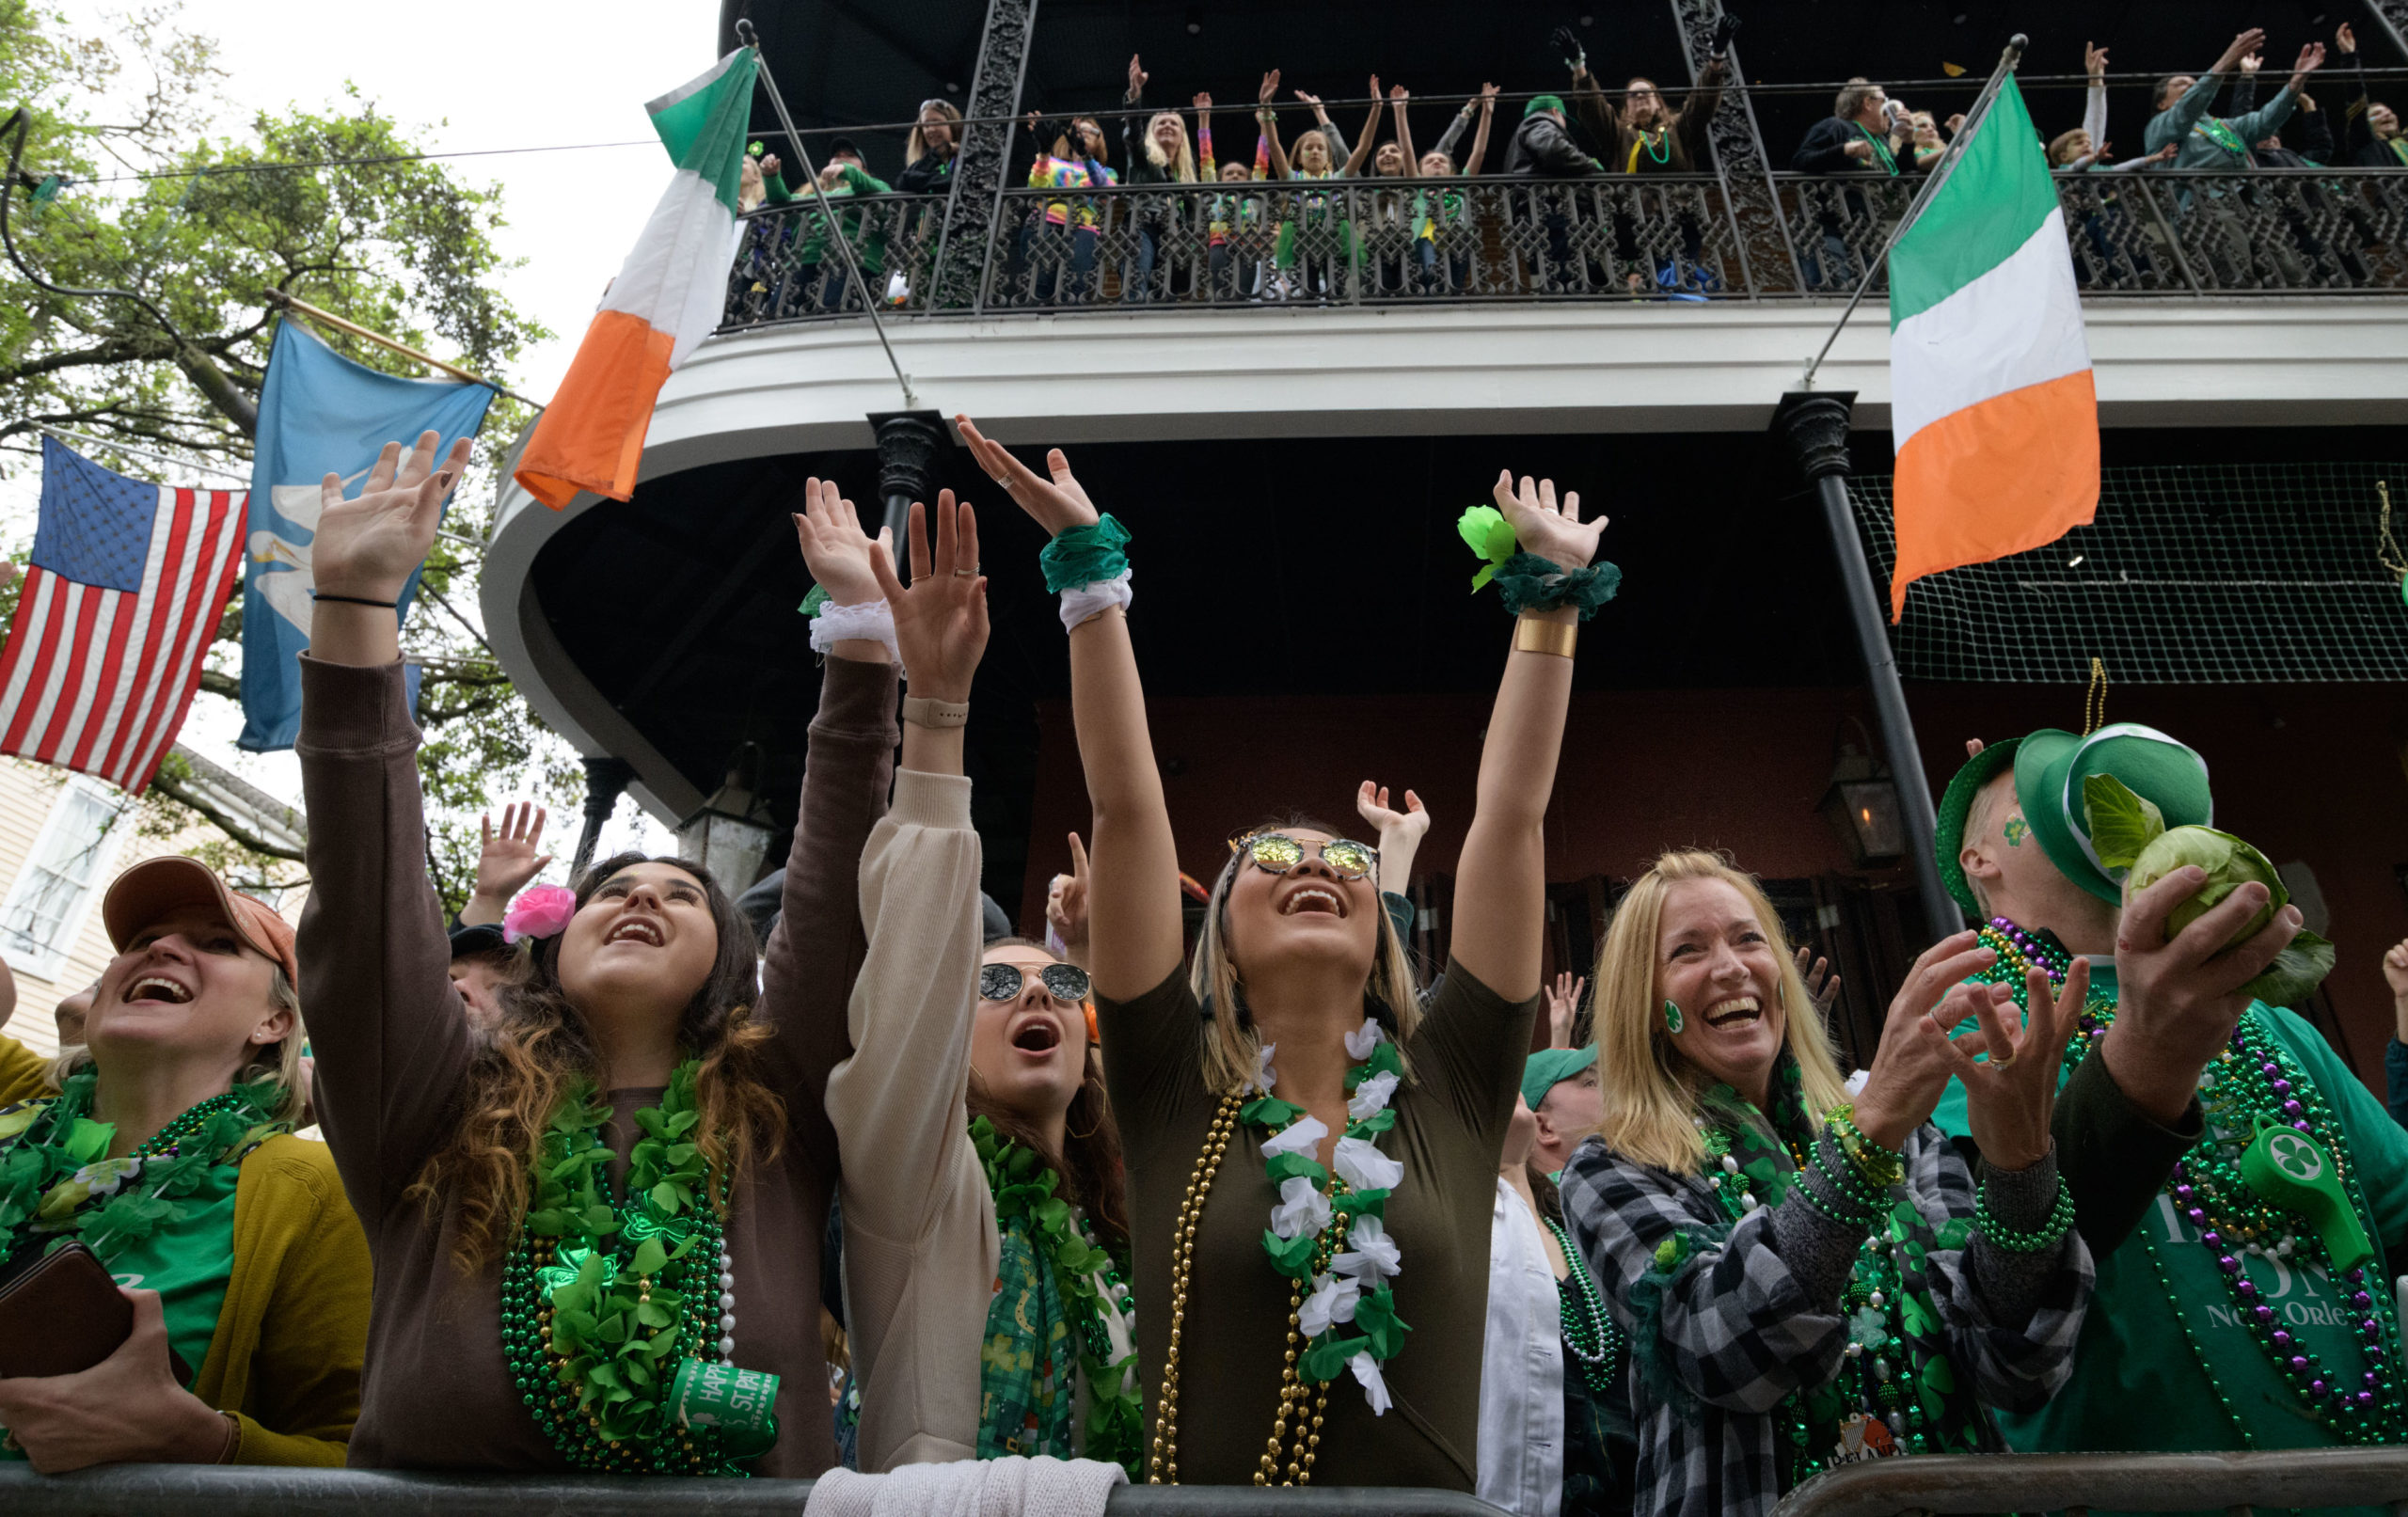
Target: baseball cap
(160,887)
(1550,1068)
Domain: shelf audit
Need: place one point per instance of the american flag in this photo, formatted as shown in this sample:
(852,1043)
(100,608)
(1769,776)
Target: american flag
(117,606)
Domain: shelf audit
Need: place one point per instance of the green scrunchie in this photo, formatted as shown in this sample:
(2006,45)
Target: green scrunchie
(1084,555)
(1531,584)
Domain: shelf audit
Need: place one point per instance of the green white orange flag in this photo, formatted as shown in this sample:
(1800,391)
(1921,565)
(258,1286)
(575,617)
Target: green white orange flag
(667,298)
(1990,394)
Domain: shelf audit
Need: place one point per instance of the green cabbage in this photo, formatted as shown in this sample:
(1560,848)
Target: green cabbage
(2128,832)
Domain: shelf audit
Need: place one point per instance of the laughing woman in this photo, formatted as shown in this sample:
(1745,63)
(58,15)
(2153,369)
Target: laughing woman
(166,1149)
(1371,1144)
(596,1233)
(985,1313)
(1802,1282)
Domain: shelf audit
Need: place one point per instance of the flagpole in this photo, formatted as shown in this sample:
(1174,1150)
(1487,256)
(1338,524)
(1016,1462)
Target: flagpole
(1948,160)
(302,307)
(745,34)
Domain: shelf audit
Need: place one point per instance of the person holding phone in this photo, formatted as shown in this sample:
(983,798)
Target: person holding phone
(167,1150)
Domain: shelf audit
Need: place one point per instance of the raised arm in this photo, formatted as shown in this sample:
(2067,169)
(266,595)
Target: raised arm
(390,1035)
(1698,110)
(2356,132)
(1134,927)
(815,952)
(1205,169)
(1480,138)
(1397,98)
(1371,132)
(1500,887)
(1266,116)
(2094,109)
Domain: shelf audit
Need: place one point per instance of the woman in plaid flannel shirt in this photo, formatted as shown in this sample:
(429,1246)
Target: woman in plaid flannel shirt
(1805,1283)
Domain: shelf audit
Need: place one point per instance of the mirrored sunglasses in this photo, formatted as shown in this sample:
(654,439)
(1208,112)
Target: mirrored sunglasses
(1276,853)
(1065,983)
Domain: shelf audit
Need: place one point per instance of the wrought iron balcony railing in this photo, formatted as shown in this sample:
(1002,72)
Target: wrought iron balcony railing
(1389,241)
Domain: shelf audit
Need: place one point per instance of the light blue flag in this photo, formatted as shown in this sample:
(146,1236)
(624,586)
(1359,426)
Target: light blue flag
(320,413)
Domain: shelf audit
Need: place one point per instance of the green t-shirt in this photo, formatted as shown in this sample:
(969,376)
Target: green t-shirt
(2137,1382)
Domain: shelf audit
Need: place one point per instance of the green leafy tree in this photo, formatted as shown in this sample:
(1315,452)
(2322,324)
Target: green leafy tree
(130,181)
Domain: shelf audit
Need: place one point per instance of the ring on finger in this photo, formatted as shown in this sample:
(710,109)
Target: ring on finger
(1999,1061)
(970,573)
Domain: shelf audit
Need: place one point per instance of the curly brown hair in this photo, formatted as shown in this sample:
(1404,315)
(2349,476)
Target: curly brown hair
(540,1045)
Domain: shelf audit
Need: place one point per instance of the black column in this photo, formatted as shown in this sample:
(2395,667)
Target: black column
(1815,424)
(968,231)
(908,445)
(606,781)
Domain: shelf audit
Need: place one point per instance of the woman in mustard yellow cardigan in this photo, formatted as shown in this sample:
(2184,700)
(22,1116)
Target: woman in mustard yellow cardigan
(165,1145)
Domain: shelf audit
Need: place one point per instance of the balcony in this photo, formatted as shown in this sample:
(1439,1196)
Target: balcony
(2192,235)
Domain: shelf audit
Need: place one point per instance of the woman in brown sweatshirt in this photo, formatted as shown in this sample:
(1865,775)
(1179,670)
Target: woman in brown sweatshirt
(1281,1354)
(639,1005)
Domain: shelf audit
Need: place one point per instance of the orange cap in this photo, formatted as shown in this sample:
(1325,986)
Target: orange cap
(159,887)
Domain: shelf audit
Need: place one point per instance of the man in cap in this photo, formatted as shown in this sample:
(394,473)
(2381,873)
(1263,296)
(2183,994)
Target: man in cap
(1543,147)
(1561,1087)
(2245,1300)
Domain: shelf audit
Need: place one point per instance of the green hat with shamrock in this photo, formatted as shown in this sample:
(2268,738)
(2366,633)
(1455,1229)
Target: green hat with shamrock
(2049,767)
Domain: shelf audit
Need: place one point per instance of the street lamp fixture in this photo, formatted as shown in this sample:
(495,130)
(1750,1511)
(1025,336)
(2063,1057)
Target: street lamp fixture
(730,835)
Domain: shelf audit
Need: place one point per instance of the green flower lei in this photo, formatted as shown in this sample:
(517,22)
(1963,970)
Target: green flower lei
(57,1184)
(1023,1186)
(610,1306)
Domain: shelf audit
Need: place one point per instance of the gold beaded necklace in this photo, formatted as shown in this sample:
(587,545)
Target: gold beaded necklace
(1295,1435)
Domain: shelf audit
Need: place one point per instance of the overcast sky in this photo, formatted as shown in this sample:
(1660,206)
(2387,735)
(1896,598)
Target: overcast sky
(472,77)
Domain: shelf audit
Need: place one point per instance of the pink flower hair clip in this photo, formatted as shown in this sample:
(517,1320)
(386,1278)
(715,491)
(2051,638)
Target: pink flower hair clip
(540,911)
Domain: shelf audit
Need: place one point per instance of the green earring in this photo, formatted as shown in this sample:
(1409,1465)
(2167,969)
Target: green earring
(1673,1020)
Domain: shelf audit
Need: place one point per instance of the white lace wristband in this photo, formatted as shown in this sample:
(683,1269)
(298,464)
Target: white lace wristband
(870,621)
(1081,603)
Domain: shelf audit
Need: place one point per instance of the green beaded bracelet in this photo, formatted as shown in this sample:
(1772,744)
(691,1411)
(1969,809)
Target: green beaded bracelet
(2016,1240)
(1832,1212)
(1841,1174)
(1879,1166)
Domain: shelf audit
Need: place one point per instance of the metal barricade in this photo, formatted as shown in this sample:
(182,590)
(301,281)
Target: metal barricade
(2075,1483)
(239,1491)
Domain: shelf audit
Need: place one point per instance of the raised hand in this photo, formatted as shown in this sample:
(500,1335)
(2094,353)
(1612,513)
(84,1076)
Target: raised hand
(770,164)
(2010,1097)
(2311,59)
(2344,39)
(2243,45)
(1397,94)
(1563,1006)
(1203,101)
(2094,60)
(2253,62)
(1488,97)
(1912,1066)
(509,860)
(1313,100)
(1567,43)
(1821,983)
(834,546)
(369,548)
(1270,87)
(1371,804)
(1066,903)
(2166,155)
(1137,77)
(2178,1002)
(1557,535)
(1057,505)
(941,621)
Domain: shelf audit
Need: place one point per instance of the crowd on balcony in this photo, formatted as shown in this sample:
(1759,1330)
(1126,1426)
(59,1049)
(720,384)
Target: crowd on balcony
(626,1177)
(1310,215)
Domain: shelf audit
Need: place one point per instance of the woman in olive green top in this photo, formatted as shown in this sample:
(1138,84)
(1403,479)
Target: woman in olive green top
(1371,1145)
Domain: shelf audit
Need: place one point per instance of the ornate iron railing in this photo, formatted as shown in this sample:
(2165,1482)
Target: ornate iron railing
(1369,242)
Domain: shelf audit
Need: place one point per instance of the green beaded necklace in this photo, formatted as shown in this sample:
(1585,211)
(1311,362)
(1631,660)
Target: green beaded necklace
(606,1298)
(1595,1342)
(57,1182)
(2254,1082)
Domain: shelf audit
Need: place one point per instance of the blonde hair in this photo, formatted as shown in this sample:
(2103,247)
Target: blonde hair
(916,146)
(279,1061)
(1181,167)
(1650,1092)
(1231,1045)
(2060,150)
(1328,148)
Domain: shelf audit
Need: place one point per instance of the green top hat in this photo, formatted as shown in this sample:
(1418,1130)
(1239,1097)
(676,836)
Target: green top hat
(1548,1067)
(2049,767)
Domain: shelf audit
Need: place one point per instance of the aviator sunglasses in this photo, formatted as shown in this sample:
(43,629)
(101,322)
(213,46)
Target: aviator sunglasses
(1275,853)
(1003,982)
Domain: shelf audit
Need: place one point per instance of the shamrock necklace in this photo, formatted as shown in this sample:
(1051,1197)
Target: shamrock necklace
(57,1182)
(1333,1241)
(618,1316)
(2264,1113)
(1023,1186)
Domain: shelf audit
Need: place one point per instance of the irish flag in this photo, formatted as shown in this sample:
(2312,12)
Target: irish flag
(666,299)
(1991,395)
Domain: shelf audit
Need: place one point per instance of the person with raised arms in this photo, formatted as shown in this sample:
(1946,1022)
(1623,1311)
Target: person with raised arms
(1311,1233)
